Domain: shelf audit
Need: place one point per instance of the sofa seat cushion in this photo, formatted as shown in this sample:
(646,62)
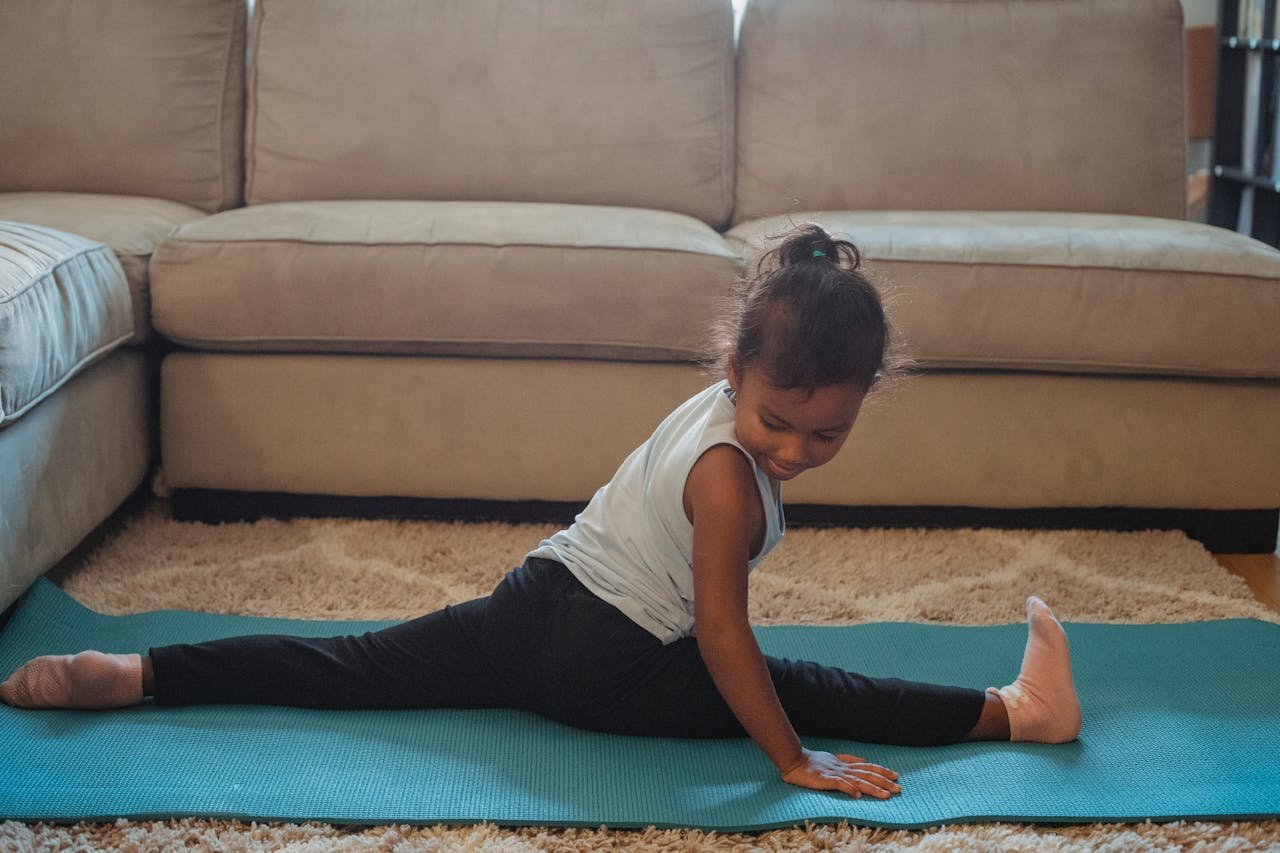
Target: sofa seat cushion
(443,278)
(64,303)
(1087,293)
(131,225)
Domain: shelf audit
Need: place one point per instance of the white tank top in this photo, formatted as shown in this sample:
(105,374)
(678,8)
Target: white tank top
(633,544)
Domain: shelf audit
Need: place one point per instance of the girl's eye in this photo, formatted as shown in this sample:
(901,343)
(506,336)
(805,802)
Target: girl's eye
(772,427)
(822,437)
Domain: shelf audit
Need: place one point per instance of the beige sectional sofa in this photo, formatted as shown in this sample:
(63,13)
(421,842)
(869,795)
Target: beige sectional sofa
(480,243)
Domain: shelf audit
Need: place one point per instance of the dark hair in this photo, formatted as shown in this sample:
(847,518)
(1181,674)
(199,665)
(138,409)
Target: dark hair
(808,316)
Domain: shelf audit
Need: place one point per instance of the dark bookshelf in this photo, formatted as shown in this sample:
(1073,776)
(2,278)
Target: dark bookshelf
(1244,193)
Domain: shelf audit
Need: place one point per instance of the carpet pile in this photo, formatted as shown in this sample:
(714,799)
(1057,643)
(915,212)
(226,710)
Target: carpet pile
(390,570)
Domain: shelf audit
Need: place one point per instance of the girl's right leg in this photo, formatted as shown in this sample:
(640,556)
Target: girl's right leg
(86,680)
(430,662)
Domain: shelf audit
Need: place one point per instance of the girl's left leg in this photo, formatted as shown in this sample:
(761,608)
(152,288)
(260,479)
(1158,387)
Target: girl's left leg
(618,678)
(667,691)
(830,702)
(1040,705)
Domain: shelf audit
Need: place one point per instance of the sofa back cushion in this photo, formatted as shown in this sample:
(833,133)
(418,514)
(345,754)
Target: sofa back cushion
(1070,105)
(127,97)
(611,102)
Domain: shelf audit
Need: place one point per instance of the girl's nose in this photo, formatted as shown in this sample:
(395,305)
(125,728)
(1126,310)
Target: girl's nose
(793,451)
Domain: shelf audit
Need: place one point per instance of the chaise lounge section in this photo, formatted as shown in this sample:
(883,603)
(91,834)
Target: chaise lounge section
(121,120)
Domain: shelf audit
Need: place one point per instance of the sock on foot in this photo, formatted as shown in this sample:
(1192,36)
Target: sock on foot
(1042,702)
(85,680)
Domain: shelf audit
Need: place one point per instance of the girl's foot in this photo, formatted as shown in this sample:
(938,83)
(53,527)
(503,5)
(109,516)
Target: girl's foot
(86,680)
(1042,702)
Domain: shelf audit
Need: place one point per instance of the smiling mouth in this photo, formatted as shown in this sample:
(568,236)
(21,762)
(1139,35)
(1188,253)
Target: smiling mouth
(780,472)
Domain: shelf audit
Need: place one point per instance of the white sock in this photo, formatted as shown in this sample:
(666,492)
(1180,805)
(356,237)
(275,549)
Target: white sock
(85,680)
(1042,702)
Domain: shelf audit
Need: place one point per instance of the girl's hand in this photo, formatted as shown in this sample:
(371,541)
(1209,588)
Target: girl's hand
(823,771)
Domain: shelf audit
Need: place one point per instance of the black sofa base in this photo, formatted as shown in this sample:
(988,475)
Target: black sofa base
(1220,531)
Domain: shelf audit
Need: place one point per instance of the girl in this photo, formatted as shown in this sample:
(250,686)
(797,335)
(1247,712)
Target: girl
(634,619)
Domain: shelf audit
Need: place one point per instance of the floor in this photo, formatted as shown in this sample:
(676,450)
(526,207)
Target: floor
(1260,571)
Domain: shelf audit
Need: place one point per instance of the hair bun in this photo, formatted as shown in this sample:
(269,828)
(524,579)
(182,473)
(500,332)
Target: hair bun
(808,317)
(810,242)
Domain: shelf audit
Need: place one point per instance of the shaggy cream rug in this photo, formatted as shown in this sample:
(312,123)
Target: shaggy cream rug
(333,569)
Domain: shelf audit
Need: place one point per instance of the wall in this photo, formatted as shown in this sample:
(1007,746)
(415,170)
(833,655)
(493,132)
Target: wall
(1197,13)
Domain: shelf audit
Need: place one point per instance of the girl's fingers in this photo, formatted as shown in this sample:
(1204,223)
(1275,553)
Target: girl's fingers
(883,771)
(873,781)
(846,785)
(859,786)
(855,777)
(857,763)
(874,790)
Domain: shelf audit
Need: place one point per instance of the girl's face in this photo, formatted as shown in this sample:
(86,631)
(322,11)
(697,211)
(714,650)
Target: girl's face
(789,431)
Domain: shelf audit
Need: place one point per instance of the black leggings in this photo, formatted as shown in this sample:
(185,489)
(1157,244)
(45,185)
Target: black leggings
(543,642)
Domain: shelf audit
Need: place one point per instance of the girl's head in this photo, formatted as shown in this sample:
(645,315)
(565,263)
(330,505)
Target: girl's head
(804,343)
(808,317)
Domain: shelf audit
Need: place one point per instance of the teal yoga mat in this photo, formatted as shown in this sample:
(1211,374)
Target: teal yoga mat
(1181,721)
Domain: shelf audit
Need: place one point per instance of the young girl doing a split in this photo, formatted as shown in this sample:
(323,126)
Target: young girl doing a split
(634,619)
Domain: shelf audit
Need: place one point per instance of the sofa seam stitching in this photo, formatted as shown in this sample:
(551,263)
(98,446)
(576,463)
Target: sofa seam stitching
(1153,270)
(223,173)
(254,29)
(59,264)
(729,105)
(435,340)
(941,363)
(868,258)
(174,241)
(65,377)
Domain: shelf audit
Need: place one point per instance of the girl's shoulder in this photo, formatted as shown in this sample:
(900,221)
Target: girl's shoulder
(721,496)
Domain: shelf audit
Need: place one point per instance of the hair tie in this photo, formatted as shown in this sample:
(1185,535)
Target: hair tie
(818,253)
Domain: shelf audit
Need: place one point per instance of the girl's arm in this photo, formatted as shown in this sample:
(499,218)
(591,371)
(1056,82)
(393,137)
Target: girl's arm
(728,516)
